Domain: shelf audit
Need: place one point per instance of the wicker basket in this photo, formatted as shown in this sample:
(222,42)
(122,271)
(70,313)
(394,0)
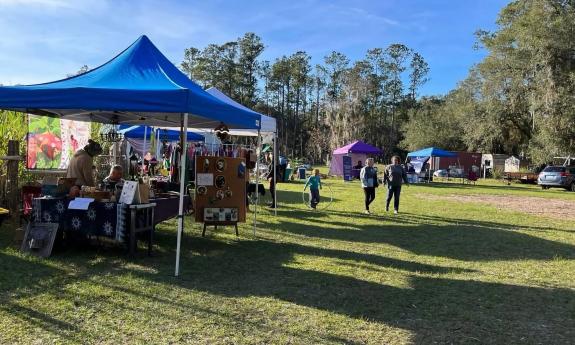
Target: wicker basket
(97,195)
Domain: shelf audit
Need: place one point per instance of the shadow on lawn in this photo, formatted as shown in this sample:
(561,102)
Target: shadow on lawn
(294,198)
(456,238)
(21,277)
(434,309)
(499,187)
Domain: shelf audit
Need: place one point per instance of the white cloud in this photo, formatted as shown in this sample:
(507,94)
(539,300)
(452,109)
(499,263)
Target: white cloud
(48,3)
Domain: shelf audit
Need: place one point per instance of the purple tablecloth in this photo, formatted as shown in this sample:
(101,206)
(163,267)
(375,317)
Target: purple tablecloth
(167,208)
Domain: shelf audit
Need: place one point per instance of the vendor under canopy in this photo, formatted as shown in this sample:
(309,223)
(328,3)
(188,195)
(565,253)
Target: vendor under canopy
(81,165)
(138,86)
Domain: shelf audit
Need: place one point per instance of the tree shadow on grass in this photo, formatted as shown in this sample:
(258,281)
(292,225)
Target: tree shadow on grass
(288,197)
(433,309)
(457,239)
(482,187)
(24,277)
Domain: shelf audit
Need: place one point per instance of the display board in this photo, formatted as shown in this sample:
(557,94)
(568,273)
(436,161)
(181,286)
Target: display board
(39,239)
(347,168)
(220,184)
(52,142)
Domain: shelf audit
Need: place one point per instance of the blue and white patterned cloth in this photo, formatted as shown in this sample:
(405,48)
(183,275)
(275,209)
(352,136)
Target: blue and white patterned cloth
(99,220)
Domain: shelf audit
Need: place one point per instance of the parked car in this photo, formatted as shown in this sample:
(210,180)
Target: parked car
(441,173)
(557,177)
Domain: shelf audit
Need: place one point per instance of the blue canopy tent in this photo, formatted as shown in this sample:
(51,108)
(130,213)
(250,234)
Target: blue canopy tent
(138,86)
(420,157)
(431,152)
(139,132)
(139,137)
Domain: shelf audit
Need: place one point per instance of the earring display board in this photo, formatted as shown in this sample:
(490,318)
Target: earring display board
(221,190)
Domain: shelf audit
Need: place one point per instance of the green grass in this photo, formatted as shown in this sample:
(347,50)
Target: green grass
(440,272)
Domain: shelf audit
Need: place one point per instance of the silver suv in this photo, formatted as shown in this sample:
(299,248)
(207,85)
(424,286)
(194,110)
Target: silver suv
(557,176)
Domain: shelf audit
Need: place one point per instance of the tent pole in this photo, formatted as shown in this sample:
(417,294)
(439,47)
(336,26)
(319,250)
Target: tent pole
(258,150)
(144,149)
(429,173)
(213,140)
(182,190)
(274,157)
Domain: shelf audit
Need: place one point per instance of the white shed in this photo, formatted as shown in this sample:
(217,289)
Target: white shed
(493,161)
(514,164)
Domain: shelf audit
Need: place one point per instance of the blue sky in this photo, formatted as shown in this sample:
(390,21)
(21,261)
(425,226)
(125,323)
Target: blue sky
(43,40)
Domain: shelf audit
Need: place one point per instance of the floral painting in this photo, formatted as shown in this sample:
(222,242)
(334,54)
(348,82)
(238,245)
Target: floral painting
(52,141)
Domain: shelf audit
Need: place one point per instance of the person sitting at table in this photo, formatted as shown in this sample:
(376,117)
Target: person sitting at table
(81,165)
(359,165)
(115,177)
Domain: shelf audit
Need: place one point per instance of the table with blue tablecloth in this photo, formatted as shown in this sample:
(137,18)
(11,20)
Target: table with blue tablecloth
(101,219)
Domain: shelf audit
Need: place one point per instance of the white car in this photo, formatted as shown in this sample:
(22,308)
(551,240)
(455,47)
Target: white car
(440,173)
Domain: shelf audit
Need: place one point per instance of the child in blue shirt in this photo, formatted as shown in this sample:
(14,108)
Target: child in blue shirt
(314,183)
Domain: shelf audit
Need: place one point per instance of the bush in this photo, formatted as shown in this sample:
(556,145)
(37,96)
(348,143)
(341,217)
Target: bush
(497,173)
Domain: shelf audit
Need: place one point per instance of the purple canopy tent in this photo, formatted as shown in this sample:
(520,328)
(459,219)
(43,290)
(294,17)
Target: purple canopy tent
(358,150)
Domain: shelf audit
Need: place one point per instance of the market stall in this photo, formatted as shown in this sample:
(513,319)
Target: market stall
(358,151)
(268,134)
(420,158)
(139,86)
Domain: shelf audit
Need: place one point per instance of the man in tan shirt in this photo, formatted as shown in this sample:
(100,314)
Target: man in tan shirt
(81,165)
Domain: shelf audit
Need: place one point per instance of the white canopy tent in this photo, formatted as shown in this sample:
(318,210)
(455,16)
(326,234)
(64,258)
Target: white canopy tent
(266,134)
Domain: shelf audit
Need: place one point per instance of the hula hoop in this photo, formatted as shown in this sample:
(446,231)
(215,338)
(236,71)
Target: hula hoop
(323,205)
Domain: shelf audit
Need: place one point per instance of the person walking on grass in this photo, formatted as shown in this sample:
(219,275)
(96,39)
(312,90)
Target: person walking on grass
(314,183)
(368,177)
(394,176)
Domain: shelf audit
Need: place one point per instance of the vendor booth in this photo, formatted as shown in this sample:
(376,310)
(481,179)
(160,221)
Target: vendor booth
(423,160)
(268,135)
(140,86)
(358,151)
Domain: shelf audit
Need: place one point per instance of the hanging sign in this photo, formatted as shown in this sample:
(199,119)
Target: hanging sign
(347,168)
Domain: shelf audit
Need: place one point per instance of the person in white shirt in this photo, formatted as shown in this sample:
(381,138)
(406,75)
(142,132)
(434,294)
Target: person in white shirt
(368,177)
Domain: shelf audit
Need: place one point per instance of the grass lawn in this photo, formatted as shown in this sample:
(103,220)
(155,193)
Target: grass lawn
(443,271)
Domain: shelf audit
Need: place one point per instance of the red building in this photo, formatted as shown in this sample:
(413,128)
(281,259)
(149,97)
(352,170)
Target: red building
(464,160)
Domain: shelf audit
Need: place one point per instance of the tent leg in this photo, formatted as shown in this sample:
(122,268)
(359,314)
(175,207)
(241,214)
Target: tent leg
(182,190)
(258,150)
(274,162)
(144,150)
(429,173)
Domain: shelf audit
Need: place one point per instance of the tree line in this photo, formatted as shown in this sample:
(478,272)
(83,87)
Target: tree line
(320,107)
(520,99)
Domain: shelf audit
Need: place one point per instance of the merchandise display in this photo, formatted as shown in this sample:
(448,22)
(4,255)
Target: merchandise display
(221,185)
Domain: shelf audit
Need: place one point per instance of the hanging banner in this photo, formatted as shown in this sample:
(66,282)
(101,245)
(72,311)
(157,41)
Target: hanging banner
(418,163)
(347,168)
(52,142)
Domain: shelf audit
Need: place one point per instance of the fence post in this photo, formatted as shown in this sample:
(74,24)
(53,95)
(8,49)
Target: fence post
(12,179)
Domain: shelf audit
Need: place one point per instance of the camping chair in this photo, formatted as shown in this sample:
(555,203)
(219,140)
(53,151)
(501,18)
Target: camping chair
(28,194)
(472,177)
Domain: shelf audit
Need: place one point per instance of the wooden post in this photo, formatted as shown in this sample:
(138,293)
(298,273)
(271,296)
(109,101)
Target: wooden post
(12,174)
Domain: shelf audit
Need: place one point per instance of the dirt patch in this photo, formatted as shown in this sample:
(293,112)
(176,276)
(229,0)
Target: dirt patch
(553,208)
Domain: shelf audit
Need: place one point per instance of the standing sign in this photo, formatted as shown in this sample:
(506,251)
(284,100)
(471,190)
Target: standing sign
(130,193)
(347,168)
